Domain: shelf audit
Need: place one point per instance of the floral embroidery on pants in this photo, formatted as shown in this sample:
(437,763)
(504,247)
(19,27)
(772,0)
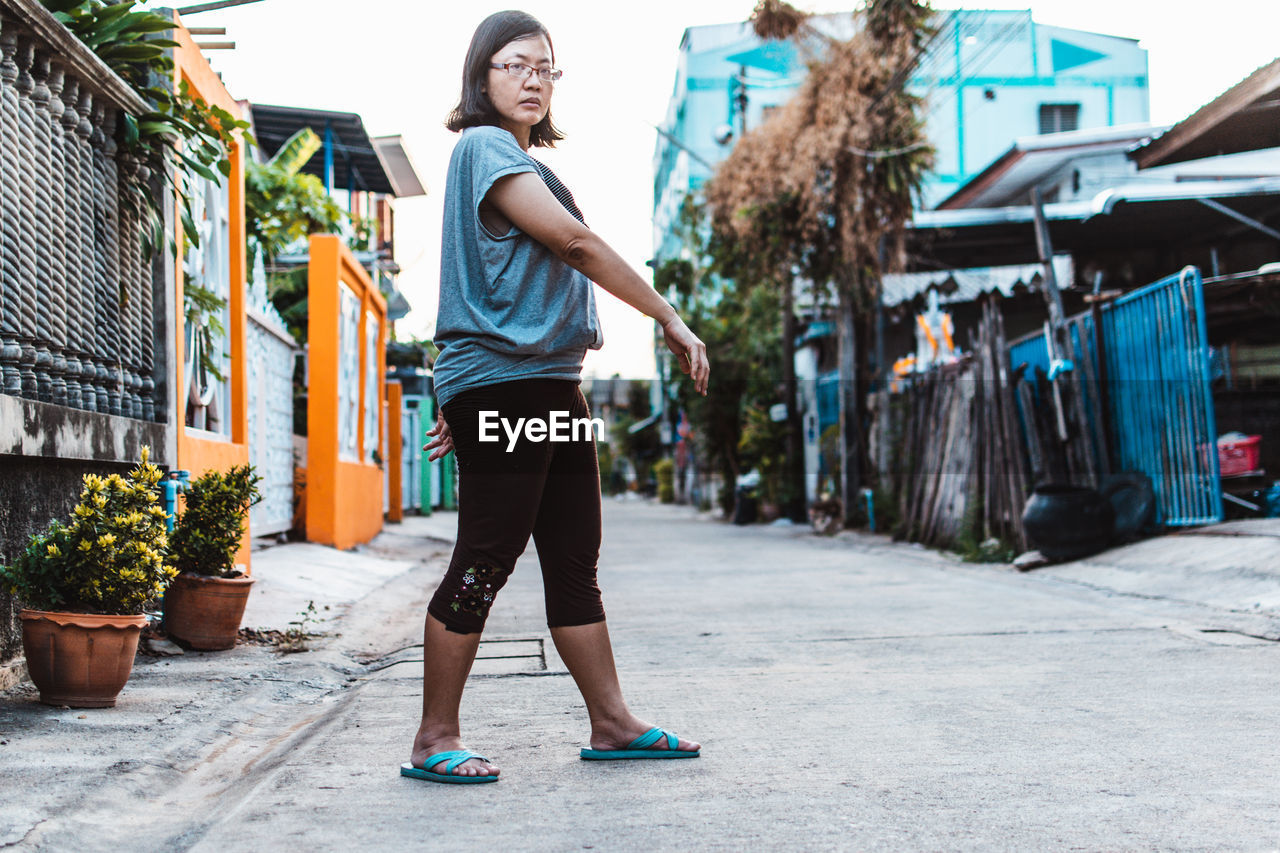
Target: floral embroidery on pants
(475,592)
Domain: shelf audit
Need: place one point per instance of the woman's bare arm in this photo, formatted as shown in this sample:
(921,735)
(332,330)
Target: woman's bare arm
(528,203)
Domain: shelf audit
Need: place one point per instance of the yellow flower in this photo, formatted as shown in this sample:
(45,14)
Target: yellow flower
(106,540)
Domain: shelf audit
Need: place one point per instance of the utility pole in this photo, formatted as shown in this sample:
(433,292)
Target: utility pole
(740,100)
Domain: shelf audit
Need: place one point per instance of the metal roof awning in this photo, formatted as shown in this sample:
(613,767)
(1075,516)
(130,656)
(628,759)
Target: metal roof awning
(397,306)
(399,166)
(1127,217)
(1032,158)
(354,159)
(1246,117)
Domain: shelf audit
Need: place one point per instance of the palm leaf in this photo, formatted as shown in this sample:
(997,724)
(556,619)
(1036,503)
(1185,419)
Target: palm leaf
(146,22)
(296,151)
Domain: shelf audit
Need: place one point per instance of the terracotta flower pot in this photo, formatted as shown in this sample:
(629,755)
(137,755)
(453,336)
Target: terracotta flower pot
(78,659)
(204,611)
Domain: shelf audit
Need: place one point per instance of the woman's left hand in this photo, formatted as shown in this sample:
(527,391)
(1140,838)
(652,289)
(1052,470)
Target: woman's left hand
(681,340)
(443,441)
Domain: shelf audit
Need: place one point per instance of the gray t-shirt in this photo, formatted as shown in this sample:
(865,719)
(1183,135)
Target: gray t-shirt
(509,308)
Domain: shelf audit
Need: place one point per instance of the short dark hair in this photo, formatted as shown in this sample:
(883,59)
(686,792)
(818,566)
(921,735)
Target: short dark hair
(474,107)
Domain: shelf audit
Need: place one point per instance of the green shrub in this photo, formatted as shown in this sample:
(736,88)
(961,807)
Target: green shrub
(604,457)
(665,472)
(111,558)
(207,535)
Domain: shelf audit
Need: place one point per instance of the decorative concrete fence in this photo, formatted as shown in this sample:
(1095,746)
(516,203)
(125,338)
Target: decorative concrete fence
(85,321)
(76,297)
(270,355)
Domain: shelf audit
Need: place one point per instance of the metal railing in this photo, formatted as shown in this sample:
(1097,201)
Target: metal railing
(1159,406)
(76,295)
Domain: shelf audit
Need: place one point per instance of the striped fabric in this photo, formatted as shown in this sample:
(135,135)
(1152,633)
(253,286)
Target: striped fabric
(560,191)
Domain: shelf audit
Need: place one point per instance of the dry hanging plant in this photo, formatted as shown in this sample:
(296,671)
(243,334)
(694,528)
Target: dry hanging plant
(845,158)
(776,20)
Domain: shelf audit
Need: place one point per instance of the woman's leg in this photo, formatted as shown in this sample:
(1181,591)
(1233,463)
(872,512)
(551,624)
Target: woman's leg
(567,535)
(498,495)
(447,659)
(585,649)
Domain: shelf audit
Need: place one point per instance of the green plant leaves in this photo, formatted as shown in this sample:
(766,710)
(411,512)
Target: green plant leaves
(207,534)
(62,8)
(110,557)
(129,127)
(296,151)
(199,168)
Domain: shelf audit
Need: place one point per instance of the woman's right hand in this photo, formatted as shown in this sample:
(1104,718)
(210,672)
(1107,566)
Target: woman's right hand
(691,352)
(443,441)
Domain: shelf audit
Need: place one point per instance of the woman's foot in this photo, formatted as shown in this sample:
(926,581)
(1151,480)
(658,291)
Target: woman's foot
(618,734)
(424,748)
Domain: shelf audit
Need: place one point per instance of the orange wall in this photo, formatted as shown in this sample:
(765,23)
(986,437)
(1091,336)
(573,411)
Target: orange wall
(344,498)
(196,453)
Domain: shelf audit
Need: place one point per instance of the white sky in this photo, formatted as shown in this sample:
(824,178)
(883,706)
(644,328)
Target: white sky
(398,63)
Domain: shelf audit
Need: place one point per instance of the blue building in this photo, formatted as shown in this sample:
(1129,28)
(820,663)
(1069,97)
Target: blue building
(988,77)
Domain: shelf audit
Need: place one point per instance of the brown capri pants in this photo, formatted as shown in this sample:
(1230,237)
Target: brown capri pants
(547,489)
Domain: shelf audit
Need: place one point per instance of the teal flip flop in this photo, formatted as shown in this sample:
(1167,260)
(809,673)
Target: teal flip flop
(455,757)
(639,748)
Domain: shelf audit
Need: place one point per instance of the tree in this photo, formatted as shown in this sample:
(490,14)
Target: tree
(826,185)
(739,325)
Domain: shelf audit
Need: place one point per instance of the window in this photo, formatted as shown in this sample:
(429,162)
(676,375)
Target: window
(1055,118)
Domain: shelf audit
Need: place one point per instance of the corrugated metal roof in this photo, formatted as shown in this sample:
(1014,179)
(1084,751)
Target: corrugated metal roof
(354,155)
(1246,117)
(1032,158)
(1126,217)
(968,284)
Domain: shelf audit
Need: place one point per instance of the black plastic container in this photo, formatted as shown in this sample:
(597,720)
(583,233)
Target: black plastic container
(1065,522)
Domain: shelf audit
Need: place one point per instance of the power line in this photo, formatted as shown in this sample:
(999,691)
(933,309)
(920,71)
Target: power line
(213,6)
(990,48)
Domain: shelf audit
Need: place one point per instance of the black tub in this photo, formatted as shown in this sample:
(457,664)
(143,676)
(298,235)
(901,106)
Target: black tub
(1066,522)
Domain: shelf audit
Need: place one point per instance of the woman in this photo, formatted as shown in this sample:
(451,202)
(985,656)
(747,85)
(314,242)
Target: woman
(516,317)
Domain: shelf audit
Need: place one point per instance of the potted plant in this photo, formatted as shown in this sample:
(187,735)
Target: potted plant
(205,603)
(84,585)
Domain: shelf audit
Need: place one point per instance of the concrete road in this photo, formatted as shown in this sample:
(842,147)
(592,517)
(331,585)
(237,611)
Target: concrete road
(850,694)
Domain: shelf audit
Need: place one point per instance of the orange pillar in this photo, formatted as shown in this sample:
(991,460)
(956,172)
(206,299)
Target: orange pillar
(344,495)
(395,452)
(197,452)
(323,309)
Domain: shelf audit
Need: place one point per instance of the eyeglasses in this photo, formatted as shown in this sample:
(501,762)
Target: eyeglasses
(519,69)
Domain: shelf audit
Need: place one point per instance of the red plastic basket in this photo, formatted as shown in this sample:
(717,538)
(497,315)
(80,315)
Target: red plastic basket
(1238,457)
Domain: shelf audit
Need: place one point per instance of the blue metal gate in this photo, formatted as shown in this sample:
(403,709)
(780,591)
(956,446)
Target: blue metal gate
(1161,406)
